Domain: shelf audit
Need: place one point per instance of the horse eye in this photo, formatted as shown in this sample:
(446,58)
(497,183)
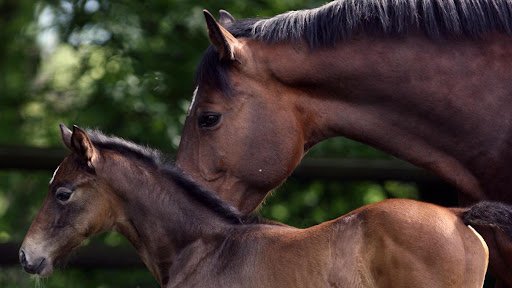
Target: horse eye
(208,119)
(63,194)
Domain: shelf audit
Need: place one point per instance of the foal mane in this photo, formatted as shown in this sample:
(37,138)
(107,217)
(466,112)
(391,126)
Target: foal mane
(156,159)
(340,20)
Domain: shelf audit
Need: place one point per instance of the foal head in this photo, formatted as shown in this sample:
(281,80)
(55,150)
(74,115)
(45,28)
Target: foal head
(77,206)
(240,134)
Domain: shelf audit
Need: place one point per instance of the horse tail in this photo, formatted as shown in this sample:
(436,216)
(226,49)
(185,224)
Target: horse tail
(491,214)
(493,221)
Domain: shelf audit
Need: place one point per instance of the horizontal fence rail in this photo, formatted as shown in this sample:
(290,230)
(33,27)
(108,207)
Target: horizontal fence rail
(94,256)
(28,158)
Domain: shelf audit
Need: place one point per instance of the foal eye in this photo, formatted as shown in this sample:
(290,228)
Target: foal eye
(208,119)
(63,194)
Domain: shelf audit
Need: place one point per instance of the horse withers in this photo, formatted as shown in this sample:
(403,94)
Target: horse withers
(188,237)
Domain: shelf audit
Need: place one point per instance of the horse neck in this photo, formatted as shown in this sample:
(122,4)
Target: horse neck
(158,218)
(434,104)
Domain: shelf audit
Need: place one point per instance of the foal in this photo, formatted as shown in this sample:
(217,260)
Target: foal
(188,237)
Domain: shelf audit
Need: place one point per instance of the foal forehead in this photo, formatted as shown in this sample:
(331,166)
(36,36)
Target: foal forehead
(69,170)
(192,103)
(53,176)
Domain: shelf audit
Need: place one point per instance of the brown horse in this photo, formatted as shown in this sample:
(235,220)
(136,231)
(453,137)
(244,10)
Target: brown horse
(188,237)
(427,81)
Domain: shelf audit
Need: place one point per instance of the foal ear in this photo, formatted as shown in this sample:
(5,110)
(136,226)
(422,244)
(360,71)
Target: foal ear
(82,145)
(225,18)
(223,41)
(65,135)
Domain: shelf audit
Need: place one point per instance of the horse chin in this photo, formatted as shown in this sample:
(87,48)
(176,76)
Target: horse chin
(210,176)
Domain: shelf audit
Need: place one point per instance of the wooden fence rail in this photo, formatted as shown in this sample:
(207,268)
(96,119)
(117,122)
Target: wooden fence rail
(94,256)
(28,158)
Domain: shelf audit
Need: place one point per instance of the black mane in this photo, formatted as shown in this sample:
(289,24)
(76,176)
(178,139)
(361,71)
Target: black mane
(342,19)
(157,160)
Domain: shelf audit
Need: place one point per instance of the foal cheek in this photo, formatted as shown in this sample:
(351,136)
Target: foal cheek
(102,218)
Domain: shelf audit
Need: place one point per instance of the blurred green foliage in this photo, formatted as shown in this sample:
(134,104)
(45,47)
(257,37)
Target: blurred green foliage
(73,278)
(127,68)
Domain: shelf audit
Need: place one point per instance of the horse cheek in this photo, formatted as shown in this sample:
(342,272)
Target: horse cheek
(286,150)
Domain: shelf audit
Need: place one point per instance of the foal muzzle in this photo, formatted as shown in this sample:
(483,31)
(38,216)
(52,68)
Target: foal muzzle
(32,265)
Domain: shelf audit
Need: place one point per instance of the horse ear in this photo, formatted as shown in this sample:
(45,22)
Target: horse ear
(223,41)
(65,134)
(82,145)
(225,18)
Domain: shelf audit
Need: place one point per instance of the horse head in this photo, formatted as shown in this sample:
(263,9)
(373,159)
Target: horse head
(237,115)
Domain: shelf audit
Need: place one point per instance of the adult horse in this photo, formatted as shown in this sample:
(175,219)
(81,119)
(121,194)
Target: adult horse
(188,237)
(427,81)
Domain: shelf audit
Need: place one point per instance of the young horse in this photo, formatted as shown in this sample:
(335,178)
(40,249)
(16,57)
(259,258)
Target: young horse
(427,81)
(188,237)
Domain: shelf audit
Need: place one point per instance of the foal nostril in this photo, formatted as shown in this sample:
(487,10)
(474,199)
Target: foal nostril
(35,267)
(23,258)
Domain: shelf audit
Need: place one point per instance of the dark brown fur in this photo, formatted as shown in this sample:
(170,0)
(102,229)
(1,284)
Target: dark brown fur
(186,243)
(442,104)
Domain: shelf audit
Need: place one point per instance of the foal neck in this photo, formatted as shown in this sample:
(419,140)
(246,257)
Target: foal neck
(158,217)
